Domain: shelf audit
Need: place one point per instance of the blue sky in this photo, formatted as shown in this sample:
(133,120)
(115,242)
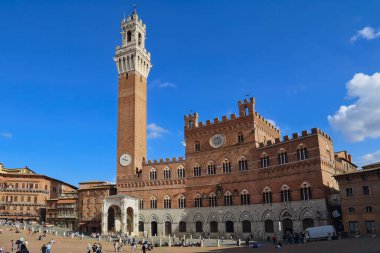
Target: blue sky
(301,60)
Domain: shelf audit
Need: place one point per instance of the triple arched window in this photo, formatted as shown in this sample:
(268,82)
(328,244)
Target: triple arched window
(167,202)
(302,153)
(198,201)
(226,166)
(244,197)
(153,174)
(167,173)
(305,191)
(243,164)
(228,199)
(181,172)
(212,200)
(181,202)
(282,157)
(197,170)
(264,161)
(267,196)
(211,168)
(153,203)
(285,194)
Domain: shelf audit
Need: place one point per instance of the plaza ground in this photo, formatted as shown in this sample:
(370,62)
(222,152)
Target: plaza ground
(76,245)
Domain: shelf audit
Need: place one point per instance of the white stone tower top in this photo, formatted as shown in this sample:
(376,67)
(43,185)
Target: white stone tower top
(132,55)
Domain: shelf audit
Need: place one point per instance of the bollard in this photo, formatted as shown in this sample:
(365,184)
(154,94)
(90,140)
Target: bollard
(217,243)
(160,242)
(110,239)
(170,242)
(239,242)
(200,237)
(82,236)
(202,243)
(191,236)
(64,234)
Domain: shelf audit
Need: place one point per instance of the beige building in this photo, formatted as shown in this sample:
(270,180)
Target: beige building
(360,200)
(24,193)
(63,211)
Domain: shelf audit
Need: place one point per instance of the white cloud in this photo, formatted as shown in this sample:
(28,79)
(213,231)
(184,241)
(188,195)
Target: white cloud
(155,131)
(367,33)
(6,135)
(370,158)
(157,83)
(273,123)
(361,119)
(183,144)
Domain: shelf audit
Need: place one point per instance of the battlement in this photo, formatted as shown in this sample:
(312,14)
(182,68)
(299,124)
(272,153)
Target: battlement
(246,108)
(295,136)
(162,161)
(266,122)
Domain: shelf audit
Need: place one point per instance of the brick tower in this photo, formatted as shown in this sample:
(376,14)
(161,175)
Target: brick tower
(133,65)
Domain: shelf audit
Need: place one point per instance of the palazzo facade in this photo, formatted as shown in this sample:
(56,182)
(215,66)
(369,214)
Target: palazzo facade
(239,176)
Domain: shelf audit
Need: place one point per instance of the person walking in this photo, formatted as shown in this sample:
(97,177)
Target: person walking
(48,247)
(89,248)
(43,248)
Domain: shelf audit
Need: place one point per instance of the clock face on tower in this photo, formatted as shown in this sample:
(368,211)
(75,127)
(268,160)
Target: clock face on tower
(125,159)
(217,140)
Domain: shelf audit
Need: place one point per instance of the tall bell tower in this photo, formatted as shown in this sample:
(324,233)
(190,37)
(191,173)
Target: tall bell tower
(133,65)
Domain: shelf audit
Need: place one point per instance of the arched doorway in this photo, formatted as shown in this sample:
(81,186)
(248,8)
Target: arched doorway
(213,227)
(130,220)
(269,226)
(153,226)
(198,227)
(287,225)
(229,226)
(307,223)
(168,228)
(114,222)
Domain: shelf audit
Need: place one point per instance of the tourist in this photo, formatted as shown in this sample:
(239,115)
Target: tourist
(12,245)
(116,246)
(144,248)
(48,247)
(89,248)
(43,248)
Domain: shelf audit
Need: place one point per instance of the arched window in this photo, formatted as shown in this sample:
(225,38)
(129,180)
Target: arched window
(226,166)
(228,199)
(351,210)
(212,200)
(269,228)
(305,191)
(243,164)
(244,197)
(141,226)
(285,194)
(198,201)
(240,137)
(282,157)
(267,196)
(182,227)
(211,168)
(129,36)
(197,145)
(301,153)
(197,171)
(229,226)
(167,202)
(246,226)
(139,39)
(167,173)
(141,204)
(213,227)
(153,203)
(198,227)
(181,202)
(153,174)
(181,172)
(264,161)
